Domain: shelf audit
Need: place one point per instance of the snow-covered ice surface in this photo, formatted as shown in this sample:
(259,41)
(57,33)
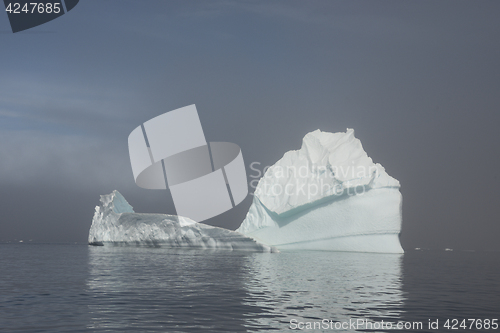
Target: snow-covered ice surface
(115,223)
(329,195)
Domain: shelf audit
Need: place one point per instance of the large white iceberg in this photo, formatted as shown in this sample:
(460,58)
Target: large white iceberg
(329,195)
(115,223)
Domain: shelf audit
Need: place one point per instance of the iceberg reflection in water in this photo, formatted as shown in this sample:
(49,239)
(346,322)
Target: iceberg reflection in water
(337,286)
(200,291)
(79,288)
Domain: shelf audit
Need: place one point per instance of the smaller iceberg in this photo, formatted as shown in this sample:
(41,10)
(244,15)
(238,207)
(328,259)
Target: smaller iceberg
(116,223)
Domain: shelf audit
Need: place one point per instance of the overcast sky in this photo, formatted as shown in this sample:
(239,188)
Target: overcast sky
(419,81)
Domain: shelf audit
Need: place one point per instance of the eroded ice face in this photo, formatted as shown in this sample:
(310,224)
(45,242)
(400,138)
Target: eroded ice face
(327,164)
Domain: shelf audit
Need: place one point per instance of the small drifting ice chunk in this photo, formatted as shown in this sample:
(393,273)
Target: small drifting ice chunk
(115,223)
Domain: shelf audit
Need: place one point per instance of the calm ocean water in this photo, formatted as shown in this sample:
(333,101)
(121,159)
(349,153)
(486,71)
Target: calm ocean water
(80,288)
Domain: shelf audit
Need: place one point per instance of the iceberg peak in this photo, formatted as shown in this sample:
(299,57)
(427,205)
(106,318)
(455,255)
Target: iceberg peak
(116,202)
(327,165)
